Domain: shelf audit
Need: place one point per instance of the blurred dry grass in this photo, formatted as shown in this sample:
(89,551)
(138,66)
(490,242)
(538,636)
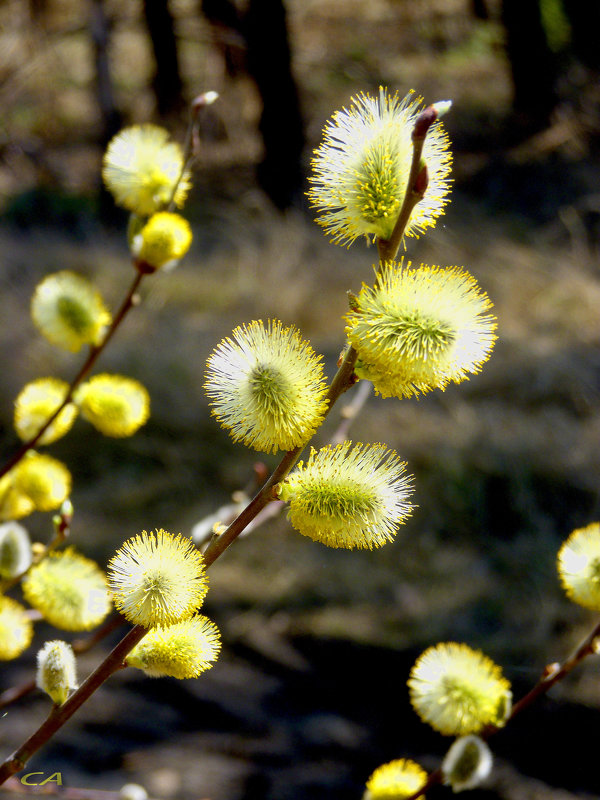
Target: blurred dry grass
(506,464)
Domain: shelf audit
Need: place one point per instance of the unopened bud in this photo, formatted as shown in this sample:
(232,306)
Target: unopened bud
(422,181)
(467,763)
(550,670)
(15,550)
(62,520)
(442,107)
(132,791)
(428,116)
(38,550)
(283,491)
(56,670)
(203,100)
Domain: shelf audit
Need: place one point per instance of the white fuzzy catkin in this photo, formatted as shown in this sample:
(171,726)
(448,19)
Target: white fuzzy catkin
(467,763)
(15,550)
(56,673)
(132,791)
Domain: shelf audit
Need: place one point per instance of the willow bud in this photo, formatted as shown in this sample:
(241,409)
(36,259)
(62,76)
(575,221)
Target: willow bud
(56,670)
(467,763)
(15,550)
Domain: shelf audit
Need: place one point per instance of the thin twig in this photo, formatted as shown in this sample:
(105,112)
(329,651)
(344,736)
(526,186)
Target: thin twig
(79,646)
(416,185)
(552,675)
(557,672)
(342,381)
(350,411)
(15,693)
(191,144)
(60,714)
(93,355)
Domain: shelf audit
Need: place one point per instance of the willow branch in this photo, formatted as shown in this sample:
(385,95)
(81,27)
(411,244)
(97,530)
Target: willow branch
(351,411)
(189,156)
(552,675)
(116,658)
(191,146)
(93,355)
(556,672)
(343,379)
(15,693)
(416,185)
(79,646)
(60,714)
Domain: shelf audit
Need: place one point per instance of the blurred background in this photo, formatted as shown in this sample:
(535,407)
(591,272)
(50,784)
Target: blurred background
(309,695)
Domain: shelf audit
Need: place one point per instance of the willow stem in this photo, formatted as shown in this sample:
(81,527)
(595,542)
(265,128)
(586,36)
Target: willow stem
(343,379)
(557,672)
(116,658)
(79,646)
(351,411)
(416,185)
(93,355)
(191,143)
(60,714)
(128,302)
(552,675)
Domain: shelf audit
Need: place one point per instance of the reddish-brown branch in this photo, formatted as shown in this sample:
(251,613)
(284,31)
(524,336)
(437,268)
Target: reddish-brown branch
(60,714)
(416,185)
(344,378)
(93,355)
(551,676)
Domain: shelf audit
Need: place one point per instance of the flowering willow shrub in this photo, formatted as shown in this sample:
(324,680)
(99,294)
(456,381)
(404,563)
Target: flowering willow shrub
(381,172)
(156,580)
